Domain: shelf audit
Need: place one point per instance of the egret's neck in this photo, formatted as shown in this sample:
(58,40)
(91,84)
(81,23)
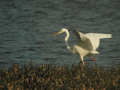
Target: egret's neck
(66,39)
(67,36)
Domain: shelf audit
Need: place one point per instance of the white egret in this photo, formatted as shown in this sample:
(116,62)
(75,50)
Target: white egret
(88,43)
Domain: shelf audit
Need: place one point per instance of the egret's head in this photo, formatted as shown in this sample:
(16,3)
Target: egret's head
(61,31)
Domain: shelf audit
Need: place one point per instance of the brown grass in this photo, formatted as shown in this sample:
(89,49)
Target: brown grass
(51,77)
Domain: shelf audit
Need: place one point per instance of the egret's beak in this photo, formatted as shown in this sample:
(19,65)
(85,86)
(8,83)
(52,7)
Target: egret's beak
(57,33)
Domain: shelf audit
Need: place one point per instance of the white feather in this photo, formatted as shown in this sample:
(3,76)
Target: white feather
(95,38)
(88,43)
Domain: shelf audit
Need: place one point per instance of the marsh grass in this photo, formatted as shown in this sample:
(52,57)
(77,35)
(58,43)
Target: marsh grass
(53,77)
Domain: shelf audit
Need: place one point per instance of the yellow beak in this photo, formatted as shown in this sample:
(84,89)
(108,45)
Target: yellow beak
(57,33)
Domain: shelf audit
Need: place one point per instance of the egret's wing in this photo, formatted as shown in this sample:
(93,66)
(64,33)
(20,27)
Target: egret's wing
(80,35)
(99,35)
(95,38)
(83,40)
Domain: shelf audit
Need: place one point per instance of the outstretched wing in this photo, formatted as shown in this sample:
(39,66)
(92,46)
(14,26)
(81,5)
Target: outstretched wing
(83,40)
(99,35)
(95,38)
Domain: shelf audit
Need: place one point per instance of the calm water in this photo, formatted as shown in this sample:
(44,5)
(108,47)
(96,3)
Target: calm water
(27,27)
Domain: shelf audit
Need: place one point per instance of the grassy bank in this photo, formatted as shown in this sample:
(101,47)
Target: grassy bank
(51,77)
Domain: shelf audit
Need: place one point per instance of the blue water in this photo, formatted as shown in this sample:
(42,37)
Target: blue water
(27,27)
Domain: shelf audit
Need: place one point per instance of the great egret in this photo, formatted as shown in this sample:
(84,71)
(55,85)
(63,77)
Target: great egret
(88,43)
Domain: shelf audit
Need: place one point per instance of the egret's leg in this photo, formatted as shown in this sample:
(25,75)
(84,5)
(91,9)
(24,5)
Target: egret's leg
(82,58)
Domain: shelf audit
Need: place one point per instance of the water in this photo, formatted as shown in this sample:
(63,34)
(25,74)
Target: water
(27,27)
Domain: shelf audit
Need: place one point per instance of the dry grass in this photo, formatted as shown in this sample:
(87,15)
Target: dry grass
(51,77)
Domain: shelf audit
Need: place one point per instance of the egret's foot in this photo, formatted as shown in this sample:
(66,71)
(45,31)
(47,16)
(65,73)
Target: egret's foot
(83,62)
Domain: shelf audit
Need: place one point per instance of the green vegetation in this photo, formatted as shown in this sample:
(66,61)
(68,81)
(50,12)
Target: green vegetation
(51,77)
